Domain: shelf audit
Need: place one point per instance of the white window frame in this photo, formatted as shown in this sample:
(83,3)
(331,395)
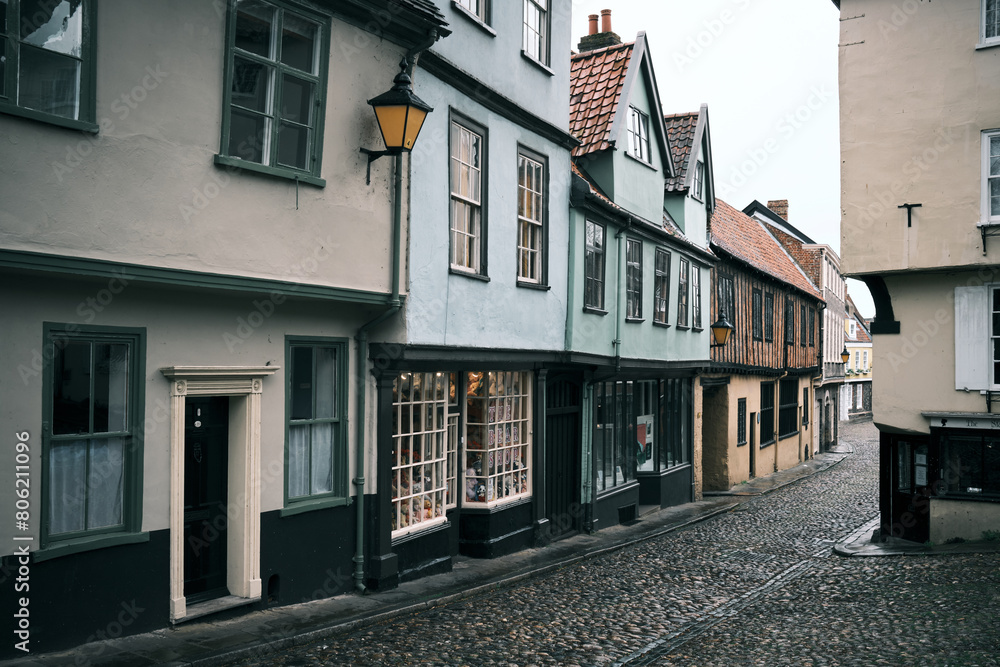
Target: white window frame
(530,219)
(479,9)
(696,296)
(994,39)
(699,180)
(990,176)
(661,285)
(683,292)
(638,135)
(535,42)
(467,186)
(633,279)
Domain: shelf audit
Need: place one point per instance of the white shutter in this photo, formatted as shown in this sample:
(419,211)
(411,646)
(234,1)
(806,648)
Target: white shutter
(972,337)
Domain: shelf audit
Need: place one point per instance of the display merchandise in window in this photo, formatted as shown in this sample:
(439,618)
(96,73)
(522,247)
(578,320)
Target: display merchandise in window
(498,436)
(419,428)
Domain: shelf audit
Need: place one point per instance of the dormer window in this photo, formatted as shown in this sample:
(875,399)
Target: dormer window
(638,135)
(852,330)
(699,181)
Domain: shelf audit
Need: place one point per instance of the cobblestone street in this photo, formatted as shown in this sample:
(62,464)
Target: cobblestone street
(758,585)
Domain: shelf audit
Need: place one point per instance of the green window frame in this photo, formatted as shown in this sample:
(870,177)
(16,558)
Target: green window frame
(275,89)
(47,61)
(316,447)
(92,437)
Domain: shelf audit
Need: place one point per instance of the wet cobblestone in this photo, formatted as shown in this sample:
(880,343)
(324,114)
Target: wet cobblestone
(758,585)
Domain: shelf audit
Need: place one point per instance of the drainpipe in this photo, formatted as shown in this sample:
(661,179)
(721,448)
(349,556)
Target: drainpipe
(619,315)
(362,340)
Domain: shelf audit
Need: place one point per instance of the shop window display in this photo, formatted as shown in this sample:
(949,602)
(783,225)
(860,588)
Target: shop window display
(420,429)
(498,437)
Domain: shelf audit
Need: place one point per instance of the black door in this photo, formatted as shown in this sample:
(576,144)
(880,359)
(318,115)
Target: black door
(752,449)
(562,455)
(910,489)
(206,466)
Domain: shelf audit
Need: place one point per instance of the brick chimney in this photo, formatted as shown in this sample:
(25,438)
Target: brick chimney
(598,40)
(779,206)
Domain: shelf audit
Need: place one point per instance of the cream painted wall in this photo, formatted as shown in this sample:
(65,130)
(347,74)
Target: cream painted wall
(182,328)
(915,94)
(145,189)
(955,518)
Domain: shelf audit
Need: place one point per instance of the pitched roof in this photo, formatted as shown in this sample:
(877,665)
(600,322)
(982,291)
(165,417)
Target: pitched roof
(680,132)
(596,80)
(748,241)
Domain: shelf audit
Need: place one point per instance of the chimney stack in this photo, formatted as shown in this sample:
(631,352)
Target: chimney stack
(605,20)
(779,206)
(598,40)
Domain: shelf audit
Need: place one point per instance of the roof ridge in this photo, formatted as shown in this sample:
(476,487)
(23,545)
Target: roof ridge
(585,54)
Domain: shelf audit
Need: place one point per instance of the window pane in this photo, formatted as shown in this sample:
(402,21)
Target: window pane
(71,388)
(994,196)
(252,84)
(302,389)
(326,382)
(298,43)
(298,460)
(54,26)
(321,479)
(67,486)
(105,483)
(246,135)
(293,146)
(254,27)
(49,82)
(296,100)
(110,387)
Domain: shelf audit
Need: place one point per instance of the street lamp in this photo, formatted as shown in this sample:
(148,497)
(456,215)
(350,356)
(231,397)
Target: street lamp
(721,330)
(400,115)
(845,355)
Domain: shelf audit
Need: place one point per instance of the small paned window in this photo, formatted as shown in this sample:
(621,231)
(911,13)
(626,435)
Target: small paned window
(741,421)
(452,458)
(864,364)
(536,31)
(991,174)
(91,461)
(789,321)
(766,413)
(699,180)
(990,31)
(478,8)
(498,437)
(788,409)
(696,296)
(317,441)
(661,286)
(276,78)
(683,276)
(768,317)
(47,60)
(756,307)
(971,465)
(812,327)
(638,135)
(805,407)
(804,332)
(633,279)
(727,298)
(466,199)
(593,290)
(530,219)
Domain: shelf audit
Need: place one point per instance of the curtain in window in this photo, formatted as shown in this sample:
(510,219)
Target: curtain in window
(298,461)
(82,500)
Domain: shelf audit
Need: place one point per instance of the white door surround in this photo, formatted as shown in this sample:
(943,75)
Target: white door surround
(243,385)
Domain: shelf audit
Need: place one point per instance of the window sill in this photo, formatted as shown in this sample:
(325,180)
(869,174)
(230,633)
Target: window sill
(635,320)
(663,325)
(280,172)
(766,444)
(741,444)
(537,63)
(498,505)
(987,45)
(303,506)
(468,274)
(683,327)
(422,529)
(475,19)
(594,311)
(50,119)
(972,497)
(91,543)
(697,328)
(641,161)
(535,286)
(790,434)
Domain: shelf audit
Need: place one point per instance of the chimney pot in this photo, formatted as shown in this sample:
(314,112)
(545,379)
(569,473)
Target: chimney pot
(593,24)
(605,20)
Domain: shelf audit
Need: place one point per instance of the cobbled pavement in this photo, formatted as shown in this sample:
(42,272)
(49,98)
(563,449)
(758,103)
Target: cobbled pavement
(758,585)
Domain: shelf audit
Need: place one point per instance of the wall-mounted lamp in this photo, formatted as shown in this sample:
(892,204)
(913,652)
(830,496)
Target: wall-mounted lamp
(400,115)
(721,330)
(845,355)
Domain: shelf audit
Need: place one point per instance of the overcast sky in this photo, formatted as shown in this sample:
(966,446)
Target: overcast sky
(768,71)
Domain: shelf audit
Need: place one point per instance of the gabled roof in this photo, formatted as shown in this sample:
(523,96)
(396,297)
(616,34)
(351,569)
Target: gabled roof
(747,240)
(758,210)
(861,335)
(599,81)
(684,132)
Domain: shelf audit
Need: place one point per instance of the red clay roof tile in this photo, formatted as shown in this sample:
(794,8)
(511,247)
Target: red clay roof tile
(596,80)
